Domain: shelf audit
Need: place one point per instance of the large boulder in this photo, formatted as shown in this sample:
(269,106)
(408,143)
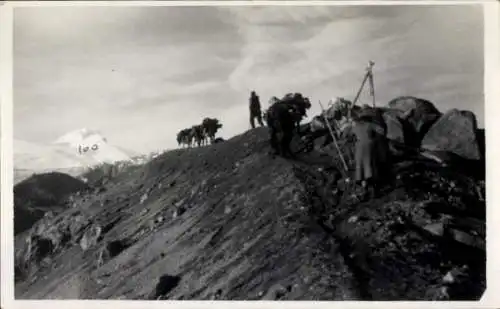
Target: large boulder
(91,237)
(455,132)
(418,114)
(395,127)
(395,131)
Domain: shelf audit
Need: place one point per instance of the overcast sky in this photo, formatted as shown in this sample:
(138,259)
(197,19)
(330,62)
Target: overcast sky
(140,74)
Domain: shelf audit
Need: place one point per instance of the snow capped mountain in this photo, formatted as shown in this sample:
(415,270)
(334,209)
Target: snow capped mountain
(77,136)
(28,155)
(91,147)
(75,151)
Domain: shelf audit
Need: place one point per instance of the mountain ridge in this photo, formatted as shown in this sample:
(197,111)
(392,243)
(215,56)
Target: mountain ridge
(229,221)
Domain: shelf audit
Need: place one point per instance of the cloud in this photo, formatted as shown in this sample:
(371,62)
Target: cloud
(322,48)
(415,49)
(113,62)
(139,74)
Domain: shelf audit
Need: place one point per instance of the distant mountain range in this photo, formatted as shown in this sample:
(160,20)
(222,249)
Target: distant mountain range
(72,153)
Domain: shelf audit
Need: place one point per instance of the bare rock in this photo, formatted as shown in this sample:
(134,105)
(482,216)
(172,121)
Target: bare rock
(455,132)
(144,197)
(418,115)
(276,292)
(449,278)
(395,129)
(159,219)
(91,237)
(437,229)
(438,293)
(467,239)
(77,225)
(353,219)
(179,203)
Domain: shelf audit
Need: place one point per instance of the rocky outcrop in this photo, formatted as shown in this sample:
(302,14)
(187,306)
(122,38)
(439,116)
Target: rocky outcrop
(395,127)
(455,132)
(395,131)
(418,113)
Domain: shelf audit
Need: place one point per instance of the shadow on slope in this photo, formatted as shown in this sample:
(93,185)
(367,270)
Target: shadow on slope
(36,195)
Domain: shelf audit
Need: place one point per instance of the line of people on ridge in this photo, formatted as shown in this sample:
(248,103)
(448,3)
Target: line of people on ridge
(372,148)
(200,134)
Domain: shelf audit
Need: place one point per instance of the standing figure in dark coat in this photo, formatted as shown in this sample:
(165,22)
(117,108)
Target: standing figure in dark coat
(372,152)
(255,111)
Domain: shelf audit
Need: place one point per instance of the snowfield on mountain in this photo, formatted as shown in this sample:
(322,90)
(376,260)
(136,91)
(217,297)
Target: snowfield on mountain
(73,153)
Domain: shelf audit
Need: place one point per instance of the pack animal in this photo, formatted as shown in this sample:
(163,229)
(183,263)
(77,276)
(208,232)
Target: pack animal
(210,128)
(185,138)
(283,119)
(198,135)
(297,103)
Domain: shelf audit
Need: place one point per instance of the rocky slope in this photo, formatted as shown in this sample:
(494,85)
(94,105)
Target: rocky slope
(228,221)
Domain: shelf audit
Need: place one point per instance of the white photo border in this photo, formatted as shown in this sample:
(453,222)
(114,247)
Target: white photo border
(490,298)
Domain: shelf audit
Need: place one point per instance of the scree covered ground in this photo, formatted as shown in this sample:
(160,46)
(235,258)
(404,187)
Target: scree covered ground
(228,221)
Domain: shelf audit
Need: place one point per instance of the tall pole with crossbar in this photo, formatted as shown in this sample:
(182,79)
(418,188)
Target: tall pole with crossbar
(368,76)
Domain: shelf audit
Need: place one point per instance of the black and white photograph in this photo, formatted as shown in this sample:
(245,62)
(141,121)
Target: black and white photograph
(261,152)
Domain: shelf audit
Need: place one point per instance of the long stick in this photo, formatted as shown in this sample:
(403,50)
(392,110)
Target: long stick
(360,89)
(372,89)
(357,95)
(333,136)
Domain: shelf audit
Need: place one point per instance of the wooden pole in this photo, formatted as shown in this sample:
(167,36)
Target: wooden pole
(372,89)
(360,89)
(333,136)
(372,86)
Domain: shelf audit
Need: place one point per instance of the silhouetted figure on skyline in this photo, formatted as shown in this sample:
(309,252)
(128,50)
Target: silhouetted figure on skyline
(255,111)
